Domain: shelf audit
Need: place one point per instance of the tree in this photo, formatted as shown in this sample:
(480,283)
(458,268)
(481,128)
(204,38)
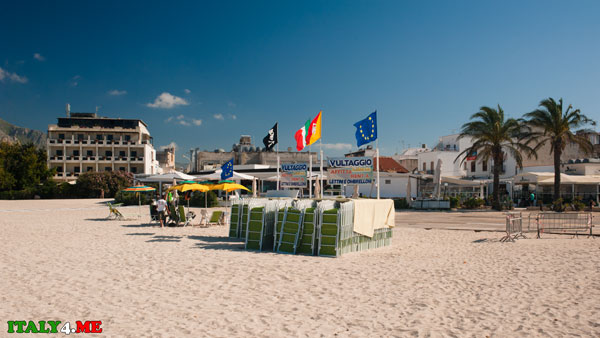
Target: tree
(549,124)
(492,136)
(23,167)
(103,184)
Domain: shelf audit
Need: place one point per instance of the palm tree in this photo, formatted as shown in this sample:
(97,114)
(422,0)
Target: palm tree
(549,124)
(492,136)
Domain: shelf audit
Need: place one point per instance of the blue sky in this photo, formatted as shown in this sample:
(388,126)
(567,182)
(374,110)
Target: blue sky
(232,68)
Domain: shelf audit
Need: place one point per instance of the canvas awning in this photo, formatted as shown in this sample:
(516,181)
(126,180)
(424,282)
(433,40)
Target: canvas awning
(547,178)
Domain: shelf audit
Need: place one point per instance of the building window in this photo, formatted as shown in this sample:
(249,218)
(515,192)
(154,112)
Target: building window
(431,166)
(107,169)
(80,137)
(61,136)
(90,153)
(133,153)
(134,170)
(122,153)
(99,137)
(59,153)
(77,169)
(388,181)
(89,169)
(122,168)
(109,137)
(75,152)
(473,167)
(424,166)
(484,166)
(108,153)
(59,169)
(127,138)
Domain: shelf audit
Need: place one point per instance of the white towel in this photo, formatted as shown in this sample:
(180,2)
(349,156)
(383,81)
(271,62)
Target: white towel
(371,214)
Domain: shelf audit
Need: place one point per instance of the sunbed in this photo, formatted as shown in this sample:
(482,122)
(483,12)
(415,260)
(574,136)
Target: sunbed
(113,212)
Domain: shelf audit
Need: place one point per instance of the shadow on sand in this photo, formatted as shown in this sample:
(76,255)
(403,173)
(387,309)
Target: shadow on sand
(140,234)
(163,238)
(217,243)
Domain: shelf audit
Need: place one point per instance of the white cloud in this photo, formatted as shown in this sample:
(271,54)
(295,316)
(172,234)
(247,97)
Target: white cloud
(116,92)
(13,77)
(183,121)
(231,104)
(75,80)
(233,117)
(167,101)
(337,146)
(169,146)
(187,91)
(219,117)
(39,57)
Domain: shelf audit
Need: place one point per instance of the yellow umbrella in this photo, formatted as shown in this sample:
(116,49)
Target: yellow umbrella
(190,187)
(228,187)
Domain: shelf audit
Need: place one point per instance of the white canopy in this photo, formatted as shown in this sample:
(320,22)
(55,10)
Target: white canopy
(547,178)
(217,176)
(168,178)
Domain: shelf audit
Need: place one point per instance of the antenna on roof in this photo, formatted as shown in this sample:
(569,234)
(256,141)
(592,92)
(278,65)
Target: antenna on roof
(68,110)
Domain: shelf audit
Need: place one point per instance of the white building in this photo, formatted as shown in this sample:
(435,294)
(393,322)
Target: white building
(85,142)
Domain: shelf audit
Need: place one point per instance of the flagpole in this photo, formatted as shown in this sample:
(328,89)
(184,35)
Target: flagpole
(321,178)
(377,150)
(277,156)
(310,171)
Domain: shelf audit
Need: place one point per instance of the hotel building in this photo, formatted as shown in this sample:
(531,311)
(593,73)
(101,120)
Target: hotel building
(85,142)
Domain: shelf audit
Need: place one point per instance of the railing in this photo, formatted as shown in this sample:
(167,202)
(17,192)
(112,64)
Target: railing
(564,223)
(514,227)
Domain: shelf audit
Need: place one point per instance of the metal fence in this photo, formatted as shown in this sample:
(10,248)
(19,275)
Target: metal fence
(514,227)
(564,223)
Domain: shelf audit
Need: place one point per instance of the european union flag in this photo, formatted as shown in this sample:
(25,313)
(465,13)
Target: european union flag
(366,130)
(227,170)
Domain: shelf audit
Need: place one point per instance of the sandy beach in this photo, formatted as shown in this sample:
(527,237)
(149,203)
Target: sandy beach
(61,260)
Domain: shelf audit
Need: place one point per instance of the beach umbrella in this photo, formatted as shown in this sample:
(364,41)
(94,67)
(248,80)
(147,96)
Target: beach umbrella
(139,189)
(228,187)
(190,187)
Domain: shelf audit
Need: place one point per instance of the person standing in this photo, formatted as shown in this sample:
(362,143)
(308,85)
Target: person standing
(161,207)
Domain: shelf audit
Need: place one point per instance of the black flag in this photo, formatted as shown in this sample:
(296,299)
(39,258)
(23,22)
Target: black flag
(271,139)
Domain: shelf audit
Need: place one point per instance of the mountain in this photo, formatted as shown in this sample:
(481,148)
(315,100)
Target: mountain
(11,133)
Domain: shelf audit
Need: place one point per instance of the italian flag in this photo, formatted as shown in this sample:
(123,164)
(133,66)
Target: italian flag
(309,133)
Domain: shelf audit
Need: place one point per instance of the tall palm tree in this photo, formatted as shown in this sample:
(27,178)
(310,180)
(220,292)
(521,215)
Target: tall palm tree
(549,124)
(492,136)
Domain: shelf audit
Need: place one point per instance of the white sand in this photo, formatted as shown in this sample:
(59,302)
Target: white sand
(145,281)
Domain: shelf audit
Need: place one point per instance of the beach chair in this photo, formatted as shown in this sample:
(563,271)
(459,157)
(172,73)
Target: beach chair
(255,229)
(183,217)
(307,239)
(154,214)
(234,221)
(290,231)
(113,212)
(329,233)
(217,218)
(173,215)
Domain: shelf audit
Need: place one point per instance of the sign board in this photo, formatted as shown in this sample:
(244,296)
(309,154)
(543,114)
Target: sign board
(350,170)
(293,175)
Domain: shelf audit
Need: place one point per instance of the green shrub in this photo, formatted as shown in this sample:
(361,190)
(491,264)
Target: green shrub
(473,203)
(133,198)
(401,203)
(197,199)
(577,204)
(454,201)
(558,205)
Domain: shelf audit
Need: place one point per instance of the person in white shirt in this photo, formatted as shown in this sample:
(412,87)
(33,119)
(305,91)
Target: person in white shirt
(161,207)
